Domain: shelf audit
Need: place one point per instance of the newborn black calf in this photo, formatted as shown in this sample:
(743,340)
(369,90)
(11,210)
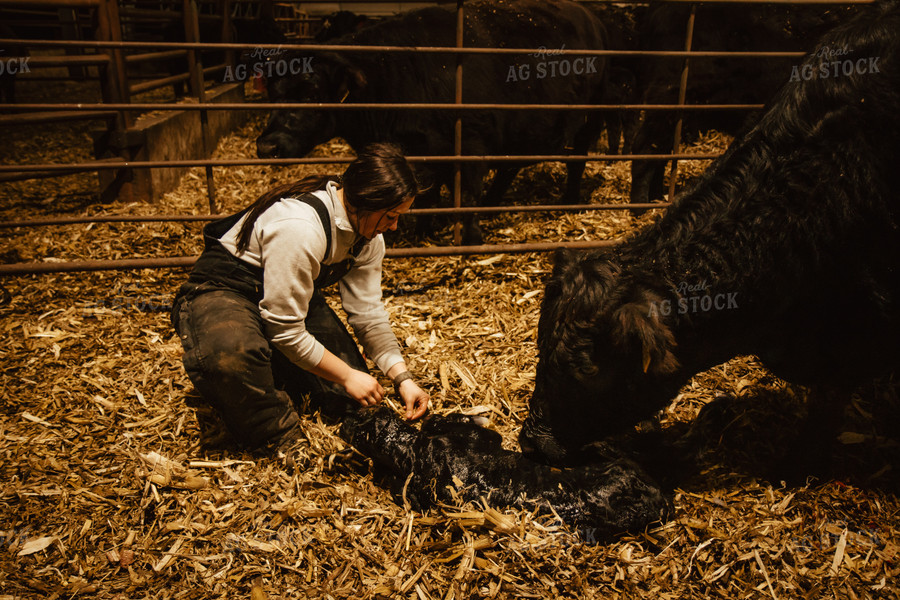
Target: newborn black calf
(455,452)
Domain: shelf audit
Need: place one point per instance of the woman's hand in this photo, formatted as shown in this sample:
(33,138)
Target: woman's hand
(415,398)
(363,388)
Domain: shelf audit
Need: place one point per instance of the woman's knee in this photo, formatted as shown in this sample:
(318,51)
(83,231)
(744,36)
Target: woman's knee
(236,360)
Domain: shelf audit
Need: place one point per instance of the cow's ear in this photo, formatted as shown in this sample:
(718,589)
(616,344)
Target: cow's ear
(352,80)
(345,78)
(562,259)
(637,324)
(357,77)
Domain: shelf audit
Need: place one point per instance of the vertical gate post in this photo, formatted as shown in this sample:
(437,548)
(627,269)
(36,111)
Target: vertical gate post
(190,14)
(457,130)
(71,30)
(115,90)
(228,31)
(195,63)
(682,94)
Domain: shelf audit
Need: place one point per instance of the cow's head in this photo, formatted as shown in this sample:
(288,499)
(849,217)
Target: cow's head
(605,358)
(325,77)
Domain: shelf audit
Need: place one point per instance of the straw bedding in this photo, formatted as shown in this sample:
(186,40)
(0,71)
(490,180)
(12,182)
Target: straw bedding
(115,482)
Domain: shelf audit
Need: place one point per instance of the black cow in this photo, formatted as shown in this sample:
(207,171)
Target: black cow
(552,77)
(713,80)
(787,248)
(338,24)
(453,458)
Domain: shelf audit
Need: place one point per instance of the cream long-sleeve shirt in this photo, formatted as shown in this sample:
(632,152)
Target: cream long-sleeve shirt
(289,243)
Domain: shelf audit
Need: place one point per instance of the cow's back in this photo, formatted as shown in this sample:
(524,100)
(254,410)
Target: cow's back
(807,203)
(557,25)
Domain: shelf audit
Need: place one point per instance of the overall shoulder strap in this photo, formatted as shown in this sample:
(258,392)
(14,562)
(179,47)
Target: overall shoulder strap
(322,211)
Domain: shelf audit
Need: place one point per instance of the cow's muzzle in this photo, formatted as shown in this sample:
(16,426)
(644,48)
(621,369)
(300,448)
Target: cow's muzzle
(267,149)
(539,445)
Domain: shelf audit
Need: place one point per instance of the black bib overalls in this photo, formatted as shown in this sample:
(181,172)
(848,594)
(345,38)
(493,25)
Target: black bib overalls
(227,356)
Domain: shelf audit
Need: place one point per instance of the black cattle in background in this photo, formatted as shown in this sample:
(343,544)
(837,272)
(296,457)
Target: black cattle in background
(622,24)
(788,248)
(557,25)
(454,459)
(340,23)
(769,28)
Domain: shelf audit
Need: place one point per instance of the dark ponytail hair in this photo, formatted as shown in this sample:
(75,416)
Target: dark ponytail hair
(379,179)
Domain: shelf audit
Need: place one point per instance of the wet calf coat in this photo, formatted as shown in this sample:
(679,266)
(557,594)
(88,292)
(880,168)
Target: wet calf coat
(453,458)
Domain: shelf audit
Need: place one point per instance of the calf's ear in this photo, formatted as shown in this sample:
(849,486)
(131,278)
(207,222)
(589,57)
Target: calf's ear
(637,324)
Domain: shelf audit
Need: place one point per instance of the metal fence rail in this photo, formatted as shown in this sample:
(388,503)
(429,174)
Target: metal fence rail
(110,58)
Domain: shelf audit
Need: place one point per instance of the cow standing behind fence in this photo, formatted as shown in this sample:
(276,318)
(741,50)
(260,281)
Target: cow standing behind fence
(549,76)
(768,28)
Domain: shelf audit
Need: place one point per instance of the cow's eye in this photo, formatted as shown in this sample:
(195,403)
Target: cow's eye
(585,372)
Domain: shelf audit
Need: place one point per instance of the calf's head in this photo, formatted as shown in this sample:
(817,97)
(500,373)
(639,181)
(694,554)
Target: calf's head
(294,133)
(466,434)
(380,435)
(605,358)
